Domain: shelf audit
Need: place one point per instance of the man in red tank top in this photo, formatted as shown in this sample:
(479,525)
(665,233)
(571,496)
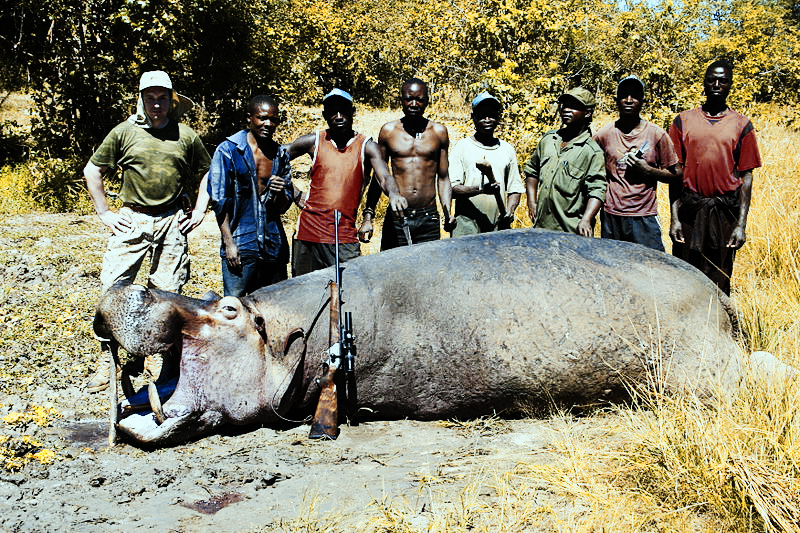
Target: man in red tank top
(718,150)
(342,161)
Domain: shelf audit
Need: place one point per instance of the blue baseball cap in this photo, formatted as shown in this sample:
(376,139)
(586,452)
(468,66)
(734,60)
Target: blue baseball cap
(485,96)
(340,93)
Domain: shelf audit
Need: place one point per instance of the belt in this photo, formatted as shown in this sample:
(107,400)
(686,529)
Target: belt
(151,209)
(419,211)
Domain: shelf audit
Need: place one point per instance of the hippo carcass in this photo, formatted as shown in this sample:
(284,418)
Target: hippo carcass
(457,327)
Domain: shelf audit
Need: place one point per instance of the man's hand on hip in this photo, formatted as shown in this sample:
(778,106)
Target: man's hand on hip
(118,222)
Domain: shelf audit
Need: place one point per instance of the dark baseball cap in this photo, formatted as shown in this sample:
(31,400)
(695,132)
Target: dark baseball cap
(631,80)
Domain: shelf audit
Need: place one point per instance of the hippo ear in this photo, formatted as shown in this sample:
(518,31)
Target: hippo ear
(210,296)
(296,333)
(261,327)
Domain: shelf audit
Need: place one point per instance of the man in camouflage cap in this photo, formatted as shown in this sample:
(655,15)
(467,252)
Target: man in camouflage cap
(565,177)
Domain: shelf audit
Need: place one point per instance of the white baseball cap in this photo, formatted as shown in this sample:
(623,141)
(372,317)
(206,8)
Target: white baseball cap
(155,78)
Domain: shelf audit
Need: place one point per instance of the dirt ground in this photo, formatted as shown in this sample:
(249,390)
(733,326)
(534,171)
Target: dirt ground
(249,479)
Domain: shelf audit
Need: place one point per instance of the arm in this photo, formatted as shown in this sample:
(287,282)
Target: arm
(595,186)
(738,236)
(490,186)
(282,193)
(302,145)
(373,191)
(665,175)
(532,188)
(94,183)
(675,191)
(231,250)
(373,196)
(189,223)
(513,204)
(373,155)
(457,173)
(585,225)
(445,187)
(531,172)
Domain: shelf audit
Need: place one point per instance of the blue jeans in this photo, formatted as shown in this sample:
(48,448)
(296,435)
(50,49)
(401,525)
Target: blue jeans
(641,230)
(255,274)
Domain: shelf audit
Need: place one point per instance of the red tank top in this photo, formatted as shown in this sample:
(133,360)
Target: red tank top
(337,179)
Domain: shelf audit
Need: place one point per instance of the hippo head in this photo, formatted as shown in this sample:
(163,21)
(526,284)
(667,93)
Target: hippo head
(227,372)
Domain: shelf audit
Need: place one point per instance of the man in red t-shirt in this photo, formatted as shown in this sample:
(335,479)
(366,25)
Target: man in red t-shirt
(342,161)
(638,155)
(718,150)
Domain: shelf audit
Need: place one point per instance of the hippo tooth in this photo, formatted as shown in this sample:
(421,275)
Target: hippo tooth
(155,403)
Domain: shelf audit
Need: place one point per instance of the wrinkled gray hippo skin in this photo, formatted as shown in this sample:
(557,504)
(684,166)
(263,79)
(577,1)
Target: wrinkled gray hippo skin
(458,327)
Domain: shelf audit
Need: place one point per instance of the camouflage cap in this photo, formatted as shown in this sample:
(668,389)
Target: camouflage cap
(581,95)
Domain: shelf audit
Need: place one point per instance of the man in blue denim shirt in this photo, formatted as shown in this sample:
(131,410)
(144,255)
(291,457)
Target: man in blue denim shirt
(250,187)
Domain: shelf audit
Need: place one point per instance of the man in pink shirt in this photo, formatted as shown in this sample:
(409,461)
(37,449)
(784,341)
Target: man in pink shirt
(718,150)
(638,155)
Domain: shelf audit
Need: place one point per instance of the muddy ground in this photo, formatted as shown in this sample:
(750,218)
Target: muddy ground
(374,477)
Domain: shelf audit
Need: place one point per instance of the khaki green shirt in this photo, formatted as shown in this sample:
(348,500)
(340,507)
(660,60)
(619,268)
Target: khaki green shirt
(568,177)
(157,165)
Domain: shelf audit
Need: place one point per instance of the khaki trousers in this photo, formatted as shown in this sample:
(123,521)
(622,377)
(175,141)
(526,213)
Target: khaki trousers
(153,236)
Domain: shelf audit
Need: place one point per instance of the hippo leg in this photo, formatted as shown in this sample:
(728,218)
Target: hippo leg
(768,368)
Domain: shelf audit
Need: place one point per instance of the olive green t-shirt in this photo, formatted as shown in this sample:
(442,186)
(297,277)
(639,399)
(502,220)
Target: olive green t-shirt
(157,164)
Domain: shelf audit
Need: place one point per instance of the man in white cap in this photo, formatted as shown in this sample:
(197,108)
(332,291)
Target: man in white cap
(566,175)
(417,148)
(342,161)
(638,155)
(159,159)
(484,173)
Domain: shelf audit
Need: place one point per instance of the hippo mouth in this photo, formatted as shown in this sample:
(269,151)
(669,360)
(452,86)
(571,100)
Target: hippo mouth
(164,412)
(143,418)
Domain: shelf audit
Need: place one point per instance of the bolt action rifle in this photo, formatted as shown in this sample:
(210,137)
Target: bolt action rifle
(338,384)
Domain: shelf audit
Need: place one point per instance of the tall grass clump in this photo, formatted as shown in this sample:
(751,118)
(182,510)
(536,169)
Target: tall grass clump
(49,184)
(739,460)
(15,194)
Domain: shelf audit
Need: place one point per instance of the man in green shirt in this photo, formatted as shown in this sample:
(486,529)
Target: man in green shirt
(565,177)
(159,159)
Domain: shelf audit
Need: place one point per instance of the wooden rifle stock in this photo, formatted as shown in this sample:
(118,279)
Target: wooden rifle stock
(326,418)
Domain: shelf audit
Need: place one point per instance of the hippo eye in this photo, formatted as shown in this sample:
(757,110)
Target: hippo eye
(229,311)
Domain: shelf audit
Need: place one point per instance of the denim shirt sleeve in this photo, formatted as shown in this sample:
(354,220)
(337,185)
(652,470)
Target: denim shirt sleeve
(220,184)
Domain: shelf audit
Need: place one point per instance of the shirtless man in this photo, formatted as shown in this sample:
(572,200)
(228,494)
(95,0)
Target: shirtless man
(417,148)
(250,187)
